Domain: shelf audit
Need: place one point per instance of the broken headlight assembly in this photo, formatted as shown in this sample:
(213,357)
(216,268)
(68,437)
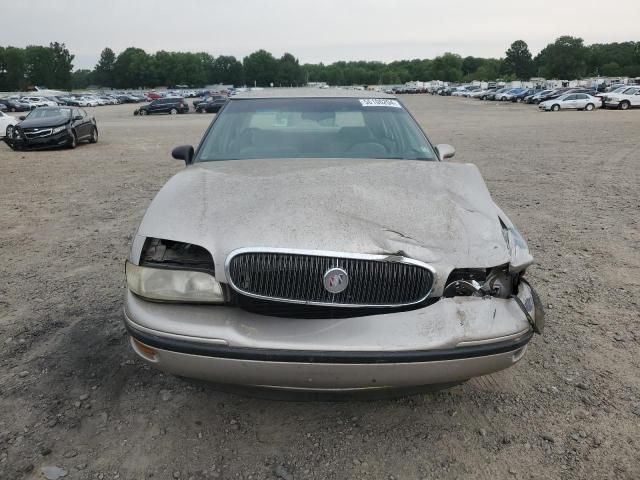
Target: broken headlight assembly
(174,272)
(497,282)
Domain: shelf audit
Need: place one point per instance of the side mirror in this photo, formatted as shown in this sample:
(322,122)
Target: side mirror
(183,152)
(445,151)
(22,117)
(78,117)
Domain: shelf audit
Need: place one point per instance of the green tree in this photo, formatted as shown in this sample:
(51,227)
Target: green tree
(82,78)
(226,69)
(518,61)
(62,61)
(289,71)
(103,71)
(447,67)
(38,66)
(14,67)
(260,68)
(134,68)
(566,58)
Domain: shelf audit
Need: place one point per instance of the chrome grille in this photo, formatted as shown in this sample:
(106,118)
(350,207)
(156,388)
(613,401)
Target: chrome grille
(37,132)
(292,276)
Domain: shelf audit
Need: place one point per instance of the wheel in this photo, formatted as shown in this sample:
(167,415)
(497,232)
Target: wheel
(94,135)
(536,101)
(143,112)
(518,100)
(589,107)
(73,143)
(9,131)
(624,105)
(173,111)
(13,109)
(555,107)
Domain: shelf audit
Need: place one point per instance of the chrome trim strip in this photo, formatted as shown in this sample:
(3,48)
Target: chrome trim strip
(323,253)
(158,333)
(487,341)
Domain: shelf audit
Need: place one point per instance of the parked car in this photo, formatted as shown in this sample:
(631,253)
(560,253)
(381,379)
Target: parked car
(555,93)
(263,262)
(38,102)
(482,92)
(624,100)
(507,95)
(211,106)
(3,107)
(571,101)
(171,105)
(47,127)
(520,96)
(6,121)
(492,95)
(208,99)
(535,97)
(15,105)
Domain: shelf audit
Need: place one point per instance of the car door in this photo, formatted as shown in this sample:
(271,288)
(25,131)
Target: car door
(569,102)
(80,125)
(155,106)
(580,101)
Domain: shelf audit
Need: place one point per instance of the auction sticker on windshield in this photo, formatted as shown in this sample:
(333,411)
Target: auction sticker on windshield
(379,102)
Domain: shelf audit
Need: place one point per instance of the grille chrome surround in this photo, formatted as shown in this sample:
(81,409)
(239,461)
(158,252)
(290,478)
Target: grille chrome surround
(37,132)
(296,276)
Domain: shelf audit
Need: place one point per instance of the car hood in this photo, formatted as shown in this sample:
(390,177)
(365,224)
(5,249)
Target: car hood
(435,212)
(44,122)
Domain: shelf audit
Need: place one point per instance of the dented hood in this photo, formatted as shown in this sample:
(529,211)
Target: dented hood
(439,213)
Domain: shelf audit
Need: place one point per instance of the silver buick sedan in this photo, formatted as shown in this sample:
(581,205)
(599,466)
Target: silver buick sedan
(317,240)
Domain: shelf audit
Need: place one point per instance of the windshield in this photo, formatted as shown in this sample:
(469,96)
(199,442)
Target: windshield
(315,128)
(49,113)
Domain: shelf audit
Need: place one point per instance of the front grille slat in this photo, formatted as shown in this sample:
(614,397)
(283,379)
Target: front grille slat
(374,280)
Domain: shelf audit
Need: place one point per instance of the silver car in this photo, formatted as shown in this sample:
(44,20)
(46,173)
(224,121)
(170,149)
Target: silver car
(317,240)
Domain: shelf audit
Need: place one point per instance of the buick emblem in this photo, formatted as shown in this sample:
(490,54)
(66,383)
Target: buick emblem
(335,280)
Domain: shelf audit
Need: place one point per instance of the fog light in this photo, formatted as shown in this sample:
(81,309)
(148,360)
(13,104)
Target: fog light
(144,350)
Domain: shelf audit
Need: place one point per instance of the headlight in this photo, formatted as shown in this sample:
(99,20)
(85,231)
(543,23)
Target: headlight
(170,285)
(59,129)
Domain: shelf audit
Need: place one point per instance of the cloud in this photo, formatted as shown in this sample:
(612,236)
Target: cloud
(314,31)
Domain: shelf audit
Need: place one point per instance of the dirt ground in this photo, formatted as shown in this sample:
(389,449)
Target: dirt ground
(74,396)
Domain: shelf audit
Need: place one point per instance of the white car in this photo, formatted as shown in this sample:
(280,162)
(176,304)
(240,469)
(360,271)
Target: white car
(571,101)
(624,100)
(5,121)
(88,102)
(458,92)
(39,101)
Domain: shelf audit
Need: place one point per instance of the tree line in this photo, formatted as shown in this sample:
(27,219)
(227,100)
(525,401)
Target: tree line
(566,58)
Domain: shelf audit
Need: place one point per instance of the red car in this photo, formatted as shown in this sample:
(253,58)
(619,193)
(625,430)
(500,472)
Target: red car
(153,95)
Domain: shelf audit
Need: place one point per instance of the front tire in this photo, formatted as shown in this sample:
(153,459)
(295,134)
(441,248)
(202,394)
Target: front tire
(589,107)
(143,112)
(94,135)
(73,143)
(624,105)
(173,111)
(555,108)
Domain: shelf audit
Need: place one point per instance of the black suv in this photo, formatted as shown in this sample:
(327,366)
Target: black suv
(164,105)
(211,106)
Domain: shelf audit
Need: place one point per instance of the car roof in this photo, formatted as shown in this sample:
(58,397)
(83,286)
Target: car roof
(310,93)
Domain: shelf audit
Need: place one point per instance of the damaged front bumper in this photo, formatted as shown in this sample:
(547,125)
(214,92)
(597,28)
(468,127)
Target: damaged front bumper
(18,141)
(450,340)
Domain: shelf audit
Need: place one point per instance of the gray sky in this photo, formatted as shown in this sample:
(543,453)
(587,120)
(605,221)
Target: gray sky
(314,31)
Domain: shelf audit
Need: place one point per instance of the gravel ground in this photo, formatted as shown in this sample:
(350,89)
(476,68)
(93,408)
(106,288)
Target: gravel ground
(74,397)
